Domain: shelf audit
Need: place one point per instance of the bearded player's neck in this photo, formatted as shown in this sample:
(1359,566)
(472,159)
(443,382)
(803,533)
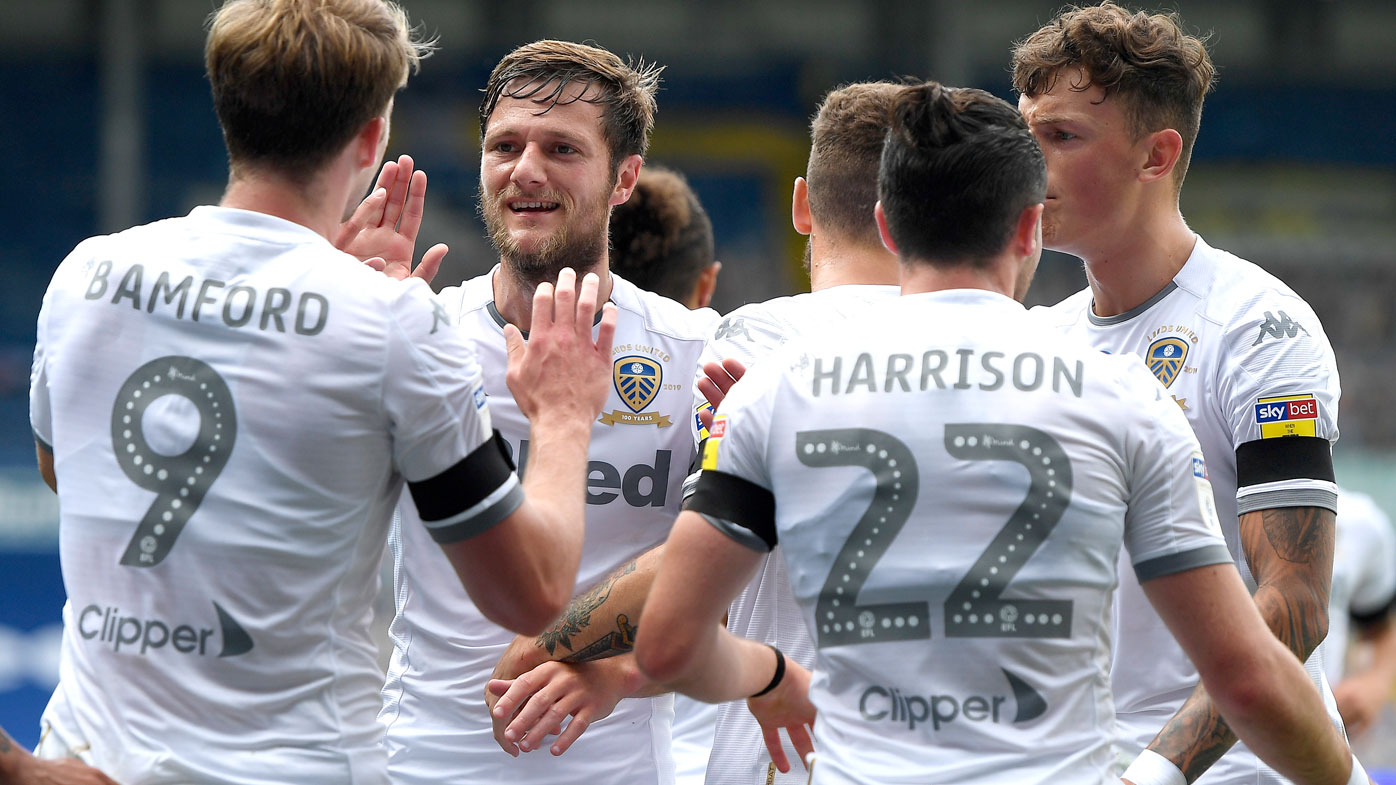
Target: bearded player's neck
(514,286)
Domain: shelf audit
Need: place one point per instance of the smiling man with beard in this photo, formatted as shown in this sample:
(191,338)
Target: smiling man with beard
(564,129)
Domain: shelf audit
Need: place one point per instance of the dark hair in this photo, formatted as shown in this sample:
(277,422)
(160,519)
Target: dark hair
(1159,72)
(542,70)
(294,80)
(661,238)
(958,168)
(845,150)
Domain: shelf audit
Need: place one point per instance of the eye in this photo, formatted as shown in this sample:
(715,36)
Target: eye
(565,149)
(504,147)
(1063,136)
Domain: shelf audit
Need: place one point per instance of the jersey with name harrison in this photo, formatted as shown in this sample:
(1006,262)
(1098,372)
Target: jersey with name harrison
(952,485)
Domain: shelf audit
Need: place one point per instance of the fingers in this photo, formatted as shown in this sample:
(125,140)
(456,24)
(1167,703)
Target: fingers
(706,415)
(721,377)
(397,194)
(542,317)
(606,333)
(800,740)
(574,731)
(364,214)
(514,345)
(714,397)
(415,205)
(734,368)
(431,262)
(565,299)
(586,305)
(772,738)
(376,263)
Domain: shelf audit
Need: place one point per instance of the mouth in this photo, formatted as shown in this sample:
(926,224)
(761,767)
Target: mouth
(531,206)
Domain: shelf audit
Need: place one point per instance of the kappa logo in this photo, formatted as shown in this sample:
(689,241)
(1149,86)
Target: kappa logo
(889,704)
(1283,327)
(1165,358)
(731,328)
(438,317)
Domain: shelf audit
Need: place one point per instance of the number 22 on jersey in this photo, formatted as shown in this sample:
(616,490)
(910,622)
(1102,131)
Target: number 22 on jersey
(976,607)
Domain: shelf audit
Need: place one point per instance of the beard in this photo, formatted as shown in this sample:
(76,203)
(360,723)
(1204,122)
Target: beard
(580,243)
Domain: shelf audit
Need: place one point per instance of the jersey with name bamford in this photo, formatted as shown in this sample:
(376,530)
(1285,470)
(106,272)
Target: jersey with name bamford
(438,729)
(232,405)
(765,610)
(953,483)
(1245,359)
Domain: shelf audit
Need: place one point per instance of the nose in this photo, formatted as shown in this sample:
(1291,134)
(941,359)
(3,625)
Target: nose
(529,171)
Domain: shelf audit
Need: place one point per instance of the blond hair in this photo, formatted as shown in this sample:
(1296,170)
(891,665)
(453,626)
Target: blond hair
(294,80)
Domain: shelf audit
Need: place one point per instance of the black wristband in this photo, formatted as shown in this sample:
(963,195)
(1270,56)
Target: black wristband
(780,672)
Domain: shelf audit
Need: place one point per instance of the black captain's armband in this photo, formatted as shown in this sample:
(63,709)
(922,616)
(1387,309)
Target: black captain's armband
(465,485)
(1287,458)
(739,508)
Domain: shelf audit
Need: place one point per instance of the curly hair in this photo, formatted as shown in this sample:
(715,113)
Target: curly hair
(1159,72)
(542,70)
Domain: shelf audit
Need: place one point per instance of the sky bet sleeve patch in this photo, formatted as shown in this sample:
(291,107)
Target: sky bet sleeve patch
(710,447)
(1288,415)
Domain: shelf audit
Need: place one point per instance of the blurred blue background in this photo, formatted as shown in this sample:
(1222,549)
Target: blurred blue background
(105,122)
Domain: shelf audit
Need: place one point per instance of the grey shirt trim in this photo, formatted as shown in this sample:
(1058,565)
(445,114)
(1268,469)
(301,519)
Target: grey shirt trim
(480,518)
(1205,556)
(1288,497)
(40,441)
(739,534)
(1119,318)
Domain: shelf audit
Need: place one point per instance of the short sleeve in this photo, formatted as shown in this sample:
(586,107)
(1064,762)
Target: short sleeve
(67,276)
(1171,521)
(40,410)
(1375,584)
(443,443)
(734,491)
(1279,379)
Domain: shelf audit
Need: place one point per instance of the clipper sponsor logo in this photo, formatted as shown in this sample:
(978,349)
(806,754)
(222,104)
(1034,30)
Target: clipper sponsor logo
(134,635)
(1289,415)
(889,704)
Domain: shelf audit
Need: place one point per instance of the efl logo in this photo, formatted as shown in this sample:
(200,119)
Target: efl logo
(1290,415)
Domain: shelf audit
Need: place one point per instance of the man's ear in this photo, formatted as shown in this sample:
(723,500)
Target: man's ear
(705,286)
(626,177)
(1165,149)
(1027,234)
(882,229)
(368,150)
(799,208)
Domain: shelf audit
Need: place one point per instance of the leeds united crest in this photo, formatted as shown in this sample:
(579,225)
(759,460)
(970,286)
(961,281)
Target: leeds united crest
(1165,358)
(637,382)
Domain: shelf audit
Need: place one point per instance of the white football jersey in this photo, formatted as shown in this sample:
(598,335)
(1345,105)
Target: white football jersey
(951,483)
(232,406)
(438,729)
(766,610)
(1364,573)
(1246,360)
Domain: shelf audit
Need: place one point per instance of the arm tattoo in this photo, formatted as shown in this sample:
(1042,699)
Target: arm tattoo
(1296,532)
(619,641)
(1196,737)
(578,615)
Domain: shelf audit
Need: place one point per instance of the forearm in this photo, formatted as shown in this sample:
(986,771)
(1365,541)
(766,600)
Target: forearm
(602,621)
(725,667)
(13,759)
(555,486)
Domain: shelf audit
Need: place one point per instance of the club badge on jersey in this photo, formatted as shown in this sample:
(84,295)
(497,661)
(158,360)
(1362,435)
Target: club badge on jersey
(637,379)
(1165,358)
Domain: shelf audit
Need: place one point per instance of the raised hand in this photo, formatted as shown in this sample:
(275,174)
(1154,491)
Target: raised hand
(787,706)
(718,379)
(560,369)
(382,232)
